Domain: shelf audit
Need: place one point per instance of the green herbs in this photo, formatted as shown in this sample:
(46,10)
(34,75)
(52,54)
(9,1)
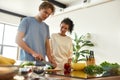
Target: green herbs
(110,68)
(93,69)
(106,68)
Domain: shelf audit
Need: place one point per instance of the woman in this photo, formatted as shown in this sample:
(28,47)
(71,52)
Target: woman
(61,44)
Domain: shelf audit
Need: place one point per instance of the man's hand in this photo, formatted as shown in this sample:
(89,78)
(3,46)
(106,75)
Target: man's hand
(38,56)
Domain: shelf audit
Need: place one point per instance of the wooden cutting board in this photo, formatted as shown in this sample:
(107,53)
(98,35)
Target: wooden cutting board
(52,70)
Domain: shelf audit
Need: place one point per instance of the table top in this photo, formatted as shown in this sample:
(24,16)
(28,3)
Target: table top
(83,76)
(60,75)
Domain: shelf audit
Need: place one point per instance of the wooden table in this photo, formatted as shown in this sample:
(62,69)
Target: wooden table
(72,78)
(63,77)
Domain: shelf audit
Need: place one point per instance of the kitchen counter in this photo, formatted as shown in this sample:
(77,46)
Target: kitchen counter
(68,77)
(60,76)
(107,78)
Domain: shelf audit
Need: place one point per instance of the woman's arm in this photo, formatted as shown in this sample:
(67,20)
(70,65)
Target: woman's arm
(49,54)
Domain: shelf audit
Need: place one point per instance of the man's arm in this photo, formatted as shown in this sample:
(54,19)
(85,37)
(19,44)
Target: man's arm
(23,45)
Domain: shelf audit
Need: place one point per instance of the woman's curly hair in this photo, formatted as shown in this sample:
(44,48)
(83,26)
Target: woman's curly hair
(69,22)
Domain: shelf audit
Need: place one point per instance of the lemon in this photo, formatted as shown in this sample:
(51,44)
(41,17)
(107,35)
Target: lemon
(80,74)
(78,66)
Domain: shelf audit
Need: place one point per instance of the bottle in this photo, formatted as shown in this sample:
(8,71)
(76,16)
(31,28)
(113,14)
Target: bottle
(91,58)
(87,60)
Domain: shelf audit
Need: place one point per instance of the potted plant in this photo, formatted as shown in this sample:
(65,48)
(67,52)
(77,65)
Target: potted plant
(80,51)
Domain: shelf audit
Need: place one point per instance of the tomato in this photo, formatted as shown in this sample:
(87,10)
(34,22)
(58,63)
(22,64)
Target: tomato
(67,66)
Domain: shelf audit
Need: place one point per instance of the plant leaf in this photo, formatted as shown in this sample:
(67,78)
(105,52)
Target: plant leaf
(85,51)
(78,47)
(82,59)
(87,43)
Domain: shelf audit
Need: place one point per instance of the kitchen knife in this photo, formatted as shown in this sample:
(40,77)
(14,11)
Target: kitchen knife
(43,63)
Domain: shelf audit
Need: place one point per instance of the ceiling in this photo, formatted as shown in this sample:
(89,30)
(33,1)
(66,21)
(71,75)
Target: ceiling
(30,7)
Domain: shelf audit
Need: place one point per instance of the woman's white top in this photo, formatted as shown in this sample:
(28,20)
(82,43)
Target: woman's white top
(62,49)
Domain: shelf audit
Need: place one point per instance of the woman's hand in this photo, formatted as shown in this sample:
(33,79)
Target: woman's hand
(53,63)
(69,60)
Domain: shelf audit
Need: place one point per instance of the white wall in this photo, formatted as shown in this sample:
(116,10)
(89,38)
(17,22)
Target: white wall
(103,22)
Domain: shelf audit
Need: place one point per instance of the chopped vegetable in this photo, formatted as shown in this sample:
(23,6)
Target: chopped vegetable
(27,63)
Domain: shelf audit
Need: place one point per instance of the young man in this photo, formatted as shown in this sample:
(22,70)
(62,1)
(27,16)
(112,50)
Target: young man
(33,35)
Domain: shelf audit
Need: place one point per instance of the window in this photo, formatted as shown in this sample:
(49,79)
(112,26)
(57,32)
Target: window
(1,36)
(10,52)
(8,47)
(9,35)
(1,32)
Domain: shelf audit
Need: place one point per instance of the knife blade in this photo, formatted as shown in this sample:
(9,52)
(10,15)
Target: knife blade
(48,63)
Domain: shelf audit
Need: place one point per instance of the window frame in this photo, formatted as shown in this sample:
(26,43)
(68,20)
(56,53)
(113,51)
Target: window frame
(2,45)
